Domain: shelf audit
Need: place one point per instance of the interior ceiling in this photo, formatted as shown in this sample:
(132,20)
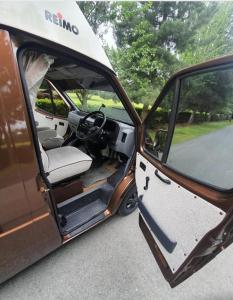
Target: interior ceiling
(72,76)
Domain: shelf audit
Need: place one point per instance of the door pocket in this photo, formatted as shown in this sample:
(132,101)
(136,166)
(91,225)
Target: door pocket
(177,218)
(163,238)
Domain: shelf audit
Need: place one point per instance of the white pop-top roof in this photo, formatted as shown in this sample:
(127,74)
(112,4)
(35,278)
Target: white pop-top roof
(58,21)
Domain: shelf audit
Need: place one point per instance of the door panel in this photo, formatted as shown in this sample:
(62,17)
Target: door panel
(51,110)
(177,218)
(51,121)
(184,170)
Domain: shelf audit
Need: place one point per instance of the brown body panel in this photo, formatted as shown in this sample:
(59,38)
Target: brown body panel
(119,193)
(27,229)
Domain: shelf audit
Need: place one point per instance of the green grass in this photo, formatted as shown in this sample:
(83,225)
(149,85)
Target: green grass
(182,132)
(186,133)
(96,101)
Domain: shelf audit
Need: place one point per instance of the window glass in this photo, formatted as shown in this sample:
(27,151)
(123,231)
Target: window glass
(60,107)
(156,125)
(48,100)
(202,144)
(89,100)
(44,99)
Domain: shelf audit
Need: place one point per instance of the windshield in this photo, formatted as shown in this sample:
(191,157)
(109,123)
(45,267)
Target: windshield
(92,100)
(87,89)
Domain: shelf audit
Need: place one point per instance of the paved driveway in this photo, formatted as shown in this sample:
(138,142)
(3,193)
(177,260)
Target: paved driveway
(208,157)
(113,262)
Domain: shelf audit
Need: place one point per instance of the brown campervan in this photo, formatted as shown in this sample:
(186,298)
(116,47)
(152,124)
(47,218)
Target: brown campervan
(73,150)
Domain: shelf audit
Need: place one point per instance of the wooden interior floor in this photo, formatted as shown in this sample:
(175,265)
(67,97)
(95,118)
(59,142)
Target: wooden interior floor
(91,179)
(96,174)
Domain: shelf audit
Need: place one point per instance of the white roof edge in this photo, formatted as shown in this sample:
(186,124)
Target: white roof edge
(61,22)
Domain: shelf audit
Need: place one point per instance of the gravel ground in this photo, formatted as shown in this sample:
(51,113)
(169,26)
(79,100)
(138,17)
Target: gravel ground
(113,261)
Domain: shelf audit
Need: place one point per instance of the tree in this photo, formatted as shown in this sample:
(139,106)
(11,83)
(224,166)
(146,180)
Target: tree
(82,95)
(210,92)
(213,38)
(97,13)
(155,39)
(150,37)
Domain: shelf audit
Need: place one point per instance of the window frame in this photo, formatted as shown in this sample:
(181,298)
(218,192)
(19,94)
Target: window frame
(177,78)
(114,84)
(176,85)
(83,61)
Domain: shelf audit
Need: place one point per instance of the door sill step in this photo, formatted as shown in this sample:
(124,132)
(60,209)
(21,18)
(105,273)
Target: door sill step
(101,217)
(83,215)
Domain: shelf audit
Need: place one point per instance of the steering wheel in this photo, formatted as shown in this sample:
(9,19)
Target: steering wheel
(85,131)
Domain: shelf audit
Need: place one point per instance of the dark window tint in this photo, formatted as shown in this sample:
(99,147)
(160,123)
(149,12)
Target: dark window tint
(156,126)
(202,145)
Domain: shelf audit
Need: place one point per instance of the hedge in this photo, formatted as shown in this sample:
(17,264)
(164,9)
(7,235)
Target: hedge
(220,117)
(184,117)
(160,115)
(61,108)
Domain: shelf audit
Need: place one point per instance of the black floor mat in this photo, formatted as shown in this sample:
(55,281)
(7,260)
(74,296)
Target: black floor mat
(83,215)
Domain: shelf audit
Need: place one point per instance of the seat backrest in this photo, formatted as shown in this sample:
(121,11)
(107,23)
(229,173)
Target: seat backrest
(44,135)
(44,158)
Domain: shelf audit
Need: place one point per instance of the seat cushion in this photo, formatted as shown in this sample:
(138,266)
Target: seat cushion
(50,139)
(52,143)
(46,134)
(42,128)
(66,162)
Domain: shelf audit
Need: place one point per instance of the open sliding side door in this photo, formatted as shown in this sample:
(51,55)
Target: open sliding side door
(184,170)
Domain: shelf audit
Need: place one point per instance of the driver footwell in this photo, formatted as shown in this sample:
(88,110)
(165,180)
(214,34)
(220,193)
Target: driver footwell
(98,174)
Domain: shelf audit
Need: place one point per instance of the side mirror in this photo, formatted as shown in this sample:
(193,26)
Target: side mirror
(156,144)
(160,140)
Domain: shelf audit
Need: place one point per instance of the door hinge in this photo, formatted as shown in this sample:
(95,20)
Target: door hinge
(44,190)
(41,185)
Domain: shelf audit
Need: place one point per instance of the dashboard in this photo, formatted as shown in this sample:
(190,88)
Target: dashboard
(121,136)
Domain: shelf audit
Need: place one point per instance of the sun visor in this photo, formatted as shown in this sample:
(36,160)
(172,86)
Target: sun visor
(72,76)
(72,84)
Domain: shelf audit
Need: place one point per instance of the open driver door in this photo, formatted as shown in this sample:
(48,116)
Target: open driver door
(184,170)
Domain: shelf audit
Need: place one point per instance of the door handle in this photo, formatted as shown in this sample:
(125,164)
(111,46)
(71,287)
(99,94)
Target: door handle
(147,183)
(49,117)
(142,166)
(167,181)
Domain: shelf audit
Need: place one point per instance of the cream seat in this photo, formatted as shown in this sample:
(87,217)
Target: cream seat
(49,138)
(64,162)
